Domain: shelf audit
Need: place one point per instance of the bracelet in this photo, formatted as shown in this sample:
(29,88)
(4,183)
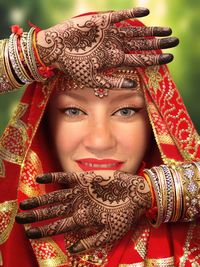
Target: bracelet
(190,178)
(158,195)
(9,72)
(16,61)
(5,83)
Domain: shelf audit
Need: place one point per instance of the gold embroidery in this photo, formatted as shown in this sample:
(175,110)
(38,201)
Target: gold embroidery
(30,169)
(138,264)
(13,140)
(156,77)
(173,111)
(191,249)
(162,262)
(1,259)
(96,257)
(48,253)
(140,239)
(8,211)
(2,169)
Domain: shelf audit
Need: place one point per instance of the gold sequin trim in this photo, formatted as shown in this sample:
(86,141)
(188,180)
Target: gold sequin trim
(30,169)
(140,239)
(48,253)
(138,264)
(163,262)
(1,259)
(191,249)
(13,140)
(8,211)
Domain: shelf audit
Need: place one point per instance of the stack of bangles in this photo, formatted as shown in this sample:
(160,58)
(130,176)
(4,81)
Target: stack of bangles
(19,60)
(175,193)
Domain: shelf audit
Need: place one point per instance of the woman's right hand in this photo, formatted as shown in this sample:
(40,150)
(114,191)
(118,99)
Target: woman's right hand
(86,45)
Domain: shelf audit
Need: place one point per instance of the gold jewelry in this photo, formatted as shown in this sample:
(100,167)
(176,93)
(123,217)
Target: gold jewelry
(5,84)
(190,178)
(159,198)
(178,196)
(30,57)
(16,61)
(10,76)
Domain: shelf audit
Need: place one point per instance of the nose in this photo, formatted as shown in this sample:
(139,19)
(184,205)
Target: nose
(100,139)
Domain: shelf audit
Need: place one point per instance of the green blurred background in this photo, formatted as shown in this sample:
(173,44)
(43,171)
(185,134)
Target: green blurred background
(183,16)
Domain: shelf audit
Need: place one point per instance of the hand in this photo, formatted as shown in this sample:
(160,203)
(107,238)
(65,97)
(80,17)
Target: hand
(86,45)
(111,203)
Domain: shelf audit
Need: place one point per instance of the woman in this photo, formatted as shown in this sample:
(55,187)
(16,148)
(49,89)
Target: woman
(31,129)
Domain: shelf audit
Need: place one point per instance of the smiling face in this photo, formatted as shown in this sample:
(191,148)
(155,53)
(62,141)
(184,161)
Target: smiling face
(99,134)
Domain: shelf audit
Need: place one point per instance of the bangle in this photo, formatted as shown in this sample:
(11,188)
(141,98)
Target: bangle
(9,73)
(153,203)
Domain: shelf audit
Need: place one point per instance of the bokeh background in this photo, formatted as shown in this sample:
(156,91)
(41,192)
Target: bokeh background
(182,16)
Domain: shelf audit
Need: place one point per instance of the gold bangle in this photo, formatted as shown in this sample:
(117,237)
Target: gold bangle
(178,196)
(10,76)
(190,179)
(5,85)
(158,195)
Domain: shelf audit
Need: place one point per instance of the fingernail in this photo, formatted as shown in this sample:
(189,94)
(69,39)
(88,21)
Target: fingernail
(28,204)
(44,179)
(141,11)
(33,233)
(128,83)
(165,58)
(162,31)
(169,42)
(24,218)
(76,248)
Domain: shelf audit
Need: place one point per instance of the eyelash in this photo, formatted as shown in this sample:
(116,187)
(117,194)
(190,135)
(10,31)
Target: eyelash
(64,110)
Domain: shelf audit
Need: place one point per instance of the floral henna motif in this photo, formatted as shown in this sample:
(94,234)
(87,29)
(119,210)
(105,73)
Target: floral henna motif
(84,46)
(109,203)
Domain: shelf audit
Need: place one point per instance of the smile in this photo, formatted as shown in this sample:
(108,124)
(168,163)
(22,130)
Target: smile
(94,164)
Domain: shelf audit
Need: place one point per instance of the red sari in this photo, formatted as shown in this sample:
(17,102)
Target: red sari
(25,152)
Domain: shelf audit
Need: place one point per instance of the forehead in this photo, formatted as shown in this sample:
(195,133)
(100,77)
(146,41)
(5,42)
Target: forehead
(87,96)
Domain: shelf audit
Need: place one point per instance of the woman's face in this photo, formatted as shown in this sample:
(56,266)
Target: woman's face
(111,133)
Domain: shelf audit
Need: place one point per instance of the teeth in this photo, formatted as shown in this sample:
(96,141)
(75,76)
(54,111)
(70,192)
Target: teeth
(94,165)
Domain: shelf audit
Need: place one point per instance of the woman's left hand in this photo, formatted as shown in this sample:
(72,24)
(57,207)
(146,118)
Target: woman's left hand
(110,202)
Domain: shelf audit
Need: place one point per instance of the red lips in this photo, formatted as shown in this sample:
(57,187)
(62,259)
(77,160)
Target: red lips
(91,164)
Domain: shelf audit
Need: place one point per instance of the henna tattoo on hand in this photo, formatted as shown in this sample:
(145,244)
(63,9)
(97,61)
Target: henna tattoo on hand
(84,46)
(112,202)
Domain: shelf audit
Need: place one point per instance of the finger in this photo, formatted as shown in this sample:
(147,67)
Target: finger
(141,60)
(55,228)
(58,177)
(120,82)
(63,195)
(44,214)
(118,16)
(131,32)
(91,242)
(150,44)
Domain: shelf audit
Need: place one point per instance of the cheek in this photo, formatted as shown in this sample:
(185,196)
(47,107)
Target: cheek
(135,137)
(67,138)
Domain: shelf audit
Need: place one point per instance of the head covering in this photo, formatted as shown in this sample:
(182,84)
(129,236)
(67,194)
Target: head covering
(26,151)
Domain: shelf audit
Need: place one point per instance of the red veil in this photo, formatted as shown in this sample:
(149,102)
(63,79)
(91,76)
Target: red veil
(25,152)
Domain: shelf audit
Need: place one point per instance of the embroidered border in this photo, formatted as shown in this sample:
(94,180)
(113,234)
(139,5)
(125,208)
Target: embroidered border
(8,211)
